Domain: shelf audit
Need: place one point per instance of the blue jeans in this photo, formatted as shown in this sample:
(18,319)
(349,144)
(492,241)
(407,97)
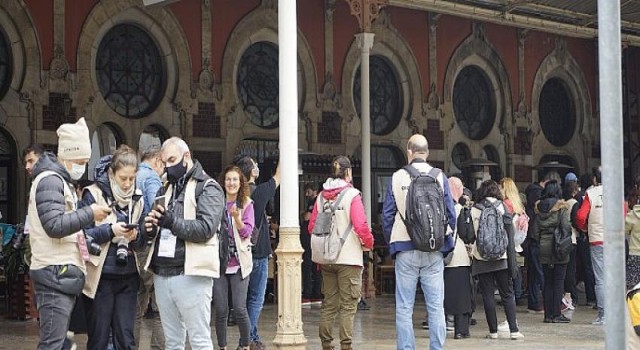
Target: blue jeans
(597,261)
(255,295)
(184,303)
(427,268)
(535,275)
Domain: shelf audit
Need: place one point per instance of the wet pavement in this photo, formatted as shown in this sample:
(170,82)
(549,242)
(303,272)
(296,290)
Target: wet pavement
(375,329)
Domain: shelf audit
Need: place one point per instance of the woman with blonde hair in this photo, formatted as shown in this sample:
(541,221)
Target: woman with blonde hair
(513,202)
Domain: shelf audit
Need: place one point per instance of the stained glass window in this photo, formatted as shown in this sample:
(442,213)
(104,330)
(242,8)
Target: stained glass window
(474,103)
(385,99)
(5,64)
(130,71)
(557,112)
(460,154)
(257,84)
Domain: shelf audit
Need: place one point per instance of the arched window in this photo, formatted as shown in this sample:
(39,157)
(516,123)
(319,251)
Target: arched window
(8,156)
(460,154)
(557,112)
(474,103)
(152,135)
(385,98)
(258,85)
(105,140)
(493,155)
(5,64)
(130,71)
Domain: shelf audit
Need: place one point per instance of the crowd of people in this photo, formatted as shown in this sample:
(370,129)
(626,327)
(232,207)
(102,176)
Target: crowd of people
(150,226)
(153,224)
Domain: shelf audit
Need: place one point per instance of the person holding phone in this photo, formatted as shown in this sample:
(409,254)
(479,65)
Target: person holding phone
(55,231)
(240,223)
(111,289)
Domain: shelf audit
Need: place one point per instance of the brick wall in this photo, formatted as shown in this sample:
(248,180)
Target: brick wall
(434,136)
(211,161)
(522,173)
(206,123)
(522,142)
(53,113)
(330,128)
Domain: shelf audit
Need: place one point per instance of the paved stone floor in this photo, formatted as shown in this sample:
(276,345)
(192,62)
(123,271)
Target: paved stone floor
(375,329)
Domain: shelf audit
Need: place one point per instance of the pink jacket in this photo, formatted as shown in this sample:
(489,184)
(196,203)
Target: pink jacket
(356,214)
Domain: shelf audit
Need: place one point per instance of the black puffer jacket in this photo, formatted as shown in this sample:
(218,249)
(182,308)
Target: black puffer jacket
(210,208)
(50,201)
(551,212)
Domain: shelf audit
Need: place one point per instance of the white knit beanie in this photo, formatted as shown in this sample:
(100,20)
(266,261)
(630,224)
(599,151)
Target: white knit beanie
(74,141)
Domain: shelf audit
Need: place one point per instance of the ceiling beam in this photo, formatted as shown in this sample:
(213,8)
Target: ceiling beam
(500,17)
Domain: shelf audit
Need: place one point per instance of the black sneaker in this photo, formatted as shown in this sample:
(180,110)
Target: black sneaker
(362,305)
(425,325)
(561,319)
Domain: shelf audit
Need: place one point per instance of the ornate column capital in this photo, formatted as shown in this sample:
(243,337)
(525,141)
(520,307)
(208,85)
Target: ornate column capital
(365,41)
(366,11)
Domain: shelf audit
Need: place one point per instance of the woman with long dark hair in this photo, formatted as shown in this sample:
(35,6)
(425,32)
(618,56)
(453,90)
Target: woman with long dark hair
(240,221)
(495,272)
(552,211)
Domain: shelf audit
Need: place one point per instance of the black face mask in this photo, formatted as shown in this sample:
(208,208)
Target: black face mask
(175,172)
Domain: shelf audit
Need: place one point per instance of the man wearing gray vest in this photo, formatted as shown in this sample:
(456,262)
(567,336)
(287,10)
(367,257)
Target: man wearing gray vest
(184,256)
(58,244)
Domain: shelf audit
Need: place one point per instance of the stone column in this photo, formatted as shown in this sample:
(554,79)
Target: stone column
(289,333)
(365,42)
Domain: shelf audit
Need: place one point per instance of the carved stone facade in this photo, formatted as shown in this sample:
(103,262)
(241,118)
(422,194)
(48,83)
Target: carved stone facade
(54,78)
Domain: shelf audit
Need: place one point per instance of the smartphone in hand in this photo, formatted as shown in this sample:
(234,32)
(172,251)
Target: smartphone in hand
(130,226)
(159,201)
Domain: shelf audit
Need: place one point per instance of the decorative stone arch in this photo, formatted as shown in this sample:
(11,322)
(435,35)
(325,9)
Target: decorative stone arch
(257,26)
(560,64)
(171,41)
(19,28)
(477,51)
(390,44)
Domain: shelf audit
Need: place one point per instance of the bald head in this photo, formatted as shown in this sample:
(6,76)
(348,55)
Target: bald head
(417,147)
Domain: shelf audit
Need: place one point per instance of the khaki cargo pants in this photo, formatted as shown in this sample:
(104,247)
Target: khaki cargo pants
(341,285)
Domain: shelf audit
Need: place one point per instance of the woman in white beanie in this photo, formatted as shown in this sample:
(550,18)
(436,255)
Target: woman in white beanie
(55,225)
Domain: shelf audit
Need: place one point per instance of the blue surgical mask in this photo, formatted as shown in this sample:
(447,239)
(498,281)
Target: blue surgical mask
(77,171)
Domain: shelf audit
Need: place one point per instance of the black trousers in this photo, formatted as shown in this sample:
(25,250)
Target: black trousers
(113,310)
(311,274)
(570,278)
(586,268)
(553,288)
(488,282)
(461,323)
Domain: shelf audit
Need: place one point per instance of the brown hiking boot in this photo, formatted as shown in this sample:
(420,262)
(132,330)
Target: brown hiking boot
(345,347)
(327,347)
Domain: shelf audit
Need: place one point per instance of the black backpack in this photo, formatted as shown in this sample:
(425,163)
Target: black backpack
(425,216)
(561,239)
(491,236)
(464,226)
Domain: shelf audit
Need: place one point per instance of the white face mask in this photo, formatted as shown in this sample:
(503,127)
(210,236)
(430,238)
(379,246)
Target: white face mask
(77,171)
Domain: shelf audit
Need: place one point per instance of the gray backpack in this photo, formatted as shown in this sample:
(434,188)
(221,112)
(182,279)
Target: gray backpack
(491,236)
(326,241)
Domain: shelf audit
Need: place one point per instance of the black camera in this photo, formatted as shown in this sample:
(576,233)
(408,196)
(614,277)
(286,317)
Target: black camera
(93,247)
(122,253)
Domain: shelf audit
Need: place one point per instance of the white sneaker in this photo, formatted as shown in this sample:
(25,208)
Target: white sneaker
(517,336)
(504,326)
(492,336)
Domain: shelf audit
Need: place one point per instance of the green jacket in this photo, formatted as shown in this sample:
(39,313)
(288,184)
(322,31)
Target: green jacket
(550,212)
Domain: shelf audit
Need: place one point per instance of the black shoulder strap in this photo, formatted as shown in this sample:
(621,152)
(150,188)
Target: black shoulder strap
(413,172)
(434,172)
